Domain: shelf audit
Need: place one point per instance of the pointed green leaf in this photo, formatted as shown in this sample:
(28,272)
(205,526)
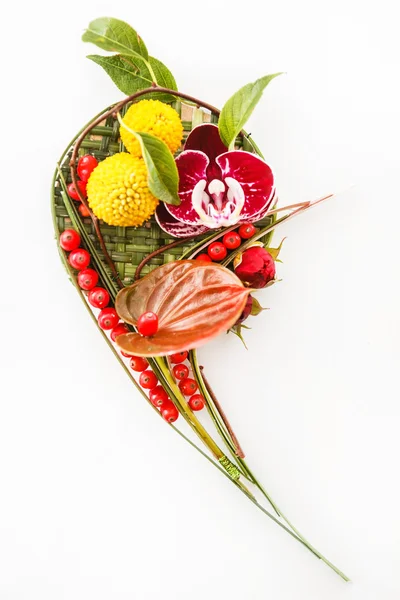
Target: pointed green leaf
(164,77)
(115,36)
(162,174)
(131,75)
(239,107)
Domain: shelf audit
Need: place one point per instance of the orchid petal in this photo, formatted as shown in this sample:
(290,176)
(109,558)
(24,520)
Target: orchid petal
(254,176)
(205,137)
(263,213)
(176,228)
(192,168)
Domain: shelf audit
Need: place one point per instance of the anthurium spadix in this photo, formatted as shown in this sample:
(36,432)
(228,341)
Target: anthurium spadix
(217,188)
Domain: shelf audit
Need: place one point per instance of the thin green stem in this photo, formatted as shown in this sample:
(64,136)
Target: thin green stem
(213,409)
(219,425)
(242,463)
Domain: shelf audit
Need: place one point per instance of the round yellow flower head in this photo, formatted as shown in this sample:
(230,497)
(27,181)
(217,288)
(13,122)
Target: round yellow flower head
(155,117)
(118,193)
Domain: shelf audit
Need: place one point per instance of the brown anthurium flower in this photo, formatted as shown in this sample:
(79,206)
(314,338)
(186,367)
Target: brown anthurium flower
(194,302)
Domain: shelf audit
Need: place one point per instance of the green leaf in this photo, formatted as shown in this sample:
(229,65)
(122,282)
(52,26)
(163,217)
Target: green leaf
(239,107)
(115,36)
(131,75)
(164,77)
(162,174)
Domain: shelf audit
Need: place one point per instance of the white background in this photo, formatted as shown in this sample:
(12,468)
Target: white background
(99,498)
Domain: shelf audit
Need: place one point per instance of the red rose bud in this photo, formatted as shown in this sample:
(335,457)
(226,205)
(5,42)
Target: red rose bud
(246,311)
(256,268)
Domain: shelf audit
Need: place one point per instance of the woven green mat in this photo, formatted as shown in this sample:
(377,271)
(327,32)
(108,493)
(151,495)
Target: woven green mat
(127,246)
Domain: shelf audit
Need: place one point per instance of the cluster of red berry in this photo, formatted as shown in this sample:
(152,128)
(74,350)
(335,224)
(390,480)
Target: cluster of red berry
(85,166)
(187,385)
(157,395)
(108,320)
(98,297)
(217,251)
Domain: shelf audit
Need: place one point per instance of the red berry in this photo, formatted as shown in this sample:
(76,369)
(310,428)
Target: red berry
(203,257)
(98,297)
(180,372)
(169,411)
(179,357)
(158,396)
(86,164)
(87,279)
(188,386)
(79,259)
(147,324)
(196,402)
(148,380)
(247,231)
(231,240)
(70,240)
(126,355)
(217,251)
(137,363)
(107,318)
(74,194)
(83,210)
(119,329)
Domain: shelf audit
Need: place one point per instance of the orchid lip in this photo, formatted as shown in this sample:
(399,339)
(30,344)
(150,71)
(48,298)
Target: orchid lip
(224,206)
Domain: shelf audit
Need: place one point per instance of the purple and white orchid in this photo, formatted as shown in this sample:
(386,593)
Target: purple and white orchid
(217,188)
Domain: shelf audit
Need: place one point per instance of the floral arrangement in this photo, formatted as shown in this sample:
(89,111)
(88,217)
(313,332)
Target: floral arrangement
(164,208)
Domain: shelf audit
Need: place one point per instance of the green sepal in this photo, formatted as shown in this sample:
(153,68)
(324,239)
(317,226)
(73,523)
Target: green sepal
(237,330)
(274,252)
(256,307)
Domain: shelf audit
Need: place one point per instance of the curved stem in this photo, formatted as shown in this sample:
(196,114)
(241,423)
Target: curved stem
(225,431)
(160,250)
(274,505)
(214,406)
(215,416)
(303,207)
(238,449)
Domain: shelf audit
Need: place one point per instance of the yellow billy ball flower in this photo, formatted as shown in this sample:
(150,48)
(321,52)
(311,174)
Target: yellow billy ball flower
(155,117)
(118,193)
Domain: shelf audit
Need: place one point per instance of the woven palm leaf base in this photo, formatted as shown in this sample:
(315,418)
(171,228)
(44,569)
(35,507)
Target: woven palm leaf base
(127,246)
